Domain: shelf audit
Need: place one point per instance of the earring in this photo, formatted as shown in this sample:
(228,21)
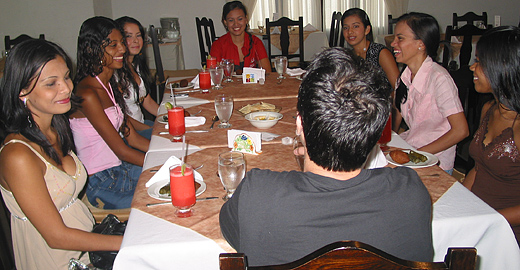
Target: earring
(101,61)
(420,48)
(25,102)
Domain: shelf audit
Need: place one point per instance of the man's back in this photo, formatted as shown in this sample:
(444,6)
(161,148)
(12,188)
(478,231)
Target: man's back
(278,217)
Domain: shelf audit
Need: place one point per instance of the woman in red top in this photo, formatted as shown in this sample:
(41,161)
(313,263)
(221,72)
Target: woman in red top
(245,49)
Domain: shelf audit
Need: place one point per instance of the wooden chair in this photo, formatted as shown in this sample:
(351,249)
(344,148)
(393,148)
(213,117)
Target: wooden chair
(470,18)
(336,33)
(159,75)
(207,39)
(356,255)
(10,43)
(391,23)
(284,23)
(467,31)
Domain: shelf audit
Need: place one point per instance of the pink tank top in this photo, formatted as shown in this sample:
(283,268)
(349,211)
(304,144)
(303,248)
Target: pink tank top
(92,150)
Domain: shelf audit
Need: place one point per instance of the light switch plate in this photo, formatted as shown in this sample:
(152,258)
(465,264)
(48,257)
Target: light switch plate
(497,20)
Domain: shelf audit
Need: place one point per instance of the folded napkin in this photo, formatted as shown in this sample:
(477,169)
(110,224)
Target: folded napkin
(375,159)
(193,121)
(267,136)
(309,28)
(195,82)
(295,71)
(164,171)
(276,30)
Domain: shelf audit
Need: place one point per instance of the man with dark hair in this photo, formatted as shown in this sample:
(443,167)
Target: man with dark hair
(279,217)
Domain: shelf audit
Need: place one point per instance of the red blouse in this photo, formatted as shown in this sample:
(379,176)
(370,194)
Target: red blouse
(224,48)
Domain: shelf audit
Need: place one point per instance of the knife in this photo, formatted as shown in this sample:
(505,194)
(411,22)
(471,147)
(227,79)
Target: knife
(198,200)
(187,131)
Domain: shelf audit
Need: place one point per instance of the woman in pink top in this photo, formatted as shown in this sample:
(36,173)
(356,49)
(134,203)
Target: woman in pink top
(429,104)
(100,121)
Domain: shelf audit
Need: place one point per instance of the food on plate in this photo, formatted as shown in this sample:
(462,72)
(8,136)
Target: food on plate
(262,106)
(399,156)
(183,83)
(166,189)
(416,157)
(263,117)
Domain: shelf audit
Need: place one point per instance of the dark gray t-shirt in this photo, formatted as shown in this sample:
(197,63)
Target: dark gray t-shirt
(279,217)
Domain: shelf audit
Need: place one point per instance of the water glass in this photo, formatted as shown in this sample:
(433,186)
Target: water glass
(224,109)
(231,170)
(260,27)
(217,74)
(280,63)
(182,189)
(229,68)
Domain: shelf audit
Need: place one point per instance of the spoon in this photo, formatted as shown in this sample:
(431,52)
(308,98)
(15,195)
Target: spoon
(214,119)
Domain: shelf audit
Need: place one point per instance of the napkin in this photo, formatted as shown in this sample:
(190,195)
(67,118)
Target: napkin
(267,136)
(295,71)
(309,28)
(193,121)
(164,171)
(276,30)
(376,159)
(252,75)
(245,141)
(195,82)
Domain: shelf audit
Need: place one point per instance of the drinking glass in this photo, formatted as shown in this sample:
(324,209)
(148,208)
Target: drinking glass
(217,74)
(224,108)
(231,170)
(176,126)
(204,80)
(386,136)
(298,150)
(229,67)
(211,62)
(280,63)
(260,27)
(182,189)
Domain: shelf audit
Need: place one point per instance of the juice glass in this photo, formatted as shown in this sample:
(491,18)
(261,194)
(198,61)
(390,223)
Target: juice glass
(204,80)
(386,136)
(182,189)
(211,62)
(176,125)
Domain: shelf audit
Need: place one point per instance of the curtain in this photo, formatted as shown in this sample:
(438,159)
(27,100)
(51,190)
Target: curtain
(310,10)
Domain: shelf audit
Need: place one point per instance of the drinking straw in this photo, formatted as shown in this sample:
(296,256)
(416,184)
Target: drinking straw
(184,153)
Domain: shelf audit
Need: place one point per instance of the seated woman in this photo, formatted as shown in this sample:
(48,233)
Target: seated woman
(244,49)
(138,92)
(40,176)
(113,166)
(357,31)
(429,103)
(496,175)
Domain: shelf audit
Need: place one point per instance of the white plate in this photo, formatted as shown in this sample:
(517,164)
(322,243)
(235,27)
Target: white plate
(190,85)
(432,160)
(153,190)
(163,119)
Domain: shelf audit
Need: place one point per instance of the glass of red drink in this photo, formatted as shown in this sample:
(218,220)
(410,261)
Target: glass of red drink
(204,80)
(387,134)
(182,189)
(211,62)
(176,125)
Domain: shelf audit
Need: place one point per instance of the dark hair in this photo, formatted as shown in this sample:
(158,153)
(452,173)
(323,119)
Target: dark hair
(23,67)
(426,28)
(140,61)
(92,41)
(228,7)
(344,104)
(498,51)
(364,19)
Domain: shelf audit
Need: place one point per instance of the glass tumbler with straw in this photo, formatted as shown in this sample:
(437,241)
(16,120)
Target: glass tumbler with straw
(224,109)
(280,63)
(231,170)
(217,74)
(182,186)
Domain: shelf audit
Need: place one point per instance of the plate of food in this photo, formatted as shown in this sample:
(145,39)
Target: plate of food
(163,119)
(161,189)
(259,107)
(412,159)
(181,85)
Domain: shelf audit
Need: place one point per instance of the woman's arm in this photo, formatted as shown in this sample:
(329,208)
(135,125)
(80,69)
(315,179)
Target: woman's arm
(91,107)
(30,191)
(265,64)
(470,178)
(136,124)
(387,62)
(150,105)
(135,140)
(458,131)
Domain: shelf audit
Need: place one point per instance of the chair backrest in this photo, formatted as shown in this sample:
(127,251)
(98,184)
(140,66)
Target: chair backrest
(470,18)
(159,74)
(284,23)
(356,255)
(467,31)
(205,40)
(391,23)
(10,43)
(336,33)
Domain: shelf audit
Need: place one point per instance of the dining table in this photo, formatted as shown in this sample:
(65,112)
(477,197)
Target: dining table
(156,239)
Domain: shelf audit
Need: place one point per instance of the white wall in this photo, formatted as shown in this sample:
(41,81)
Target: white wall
(442,10)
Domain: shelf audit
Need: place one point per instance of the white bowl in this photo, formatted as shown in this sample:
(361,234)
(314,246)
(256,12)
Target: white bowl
(263,120)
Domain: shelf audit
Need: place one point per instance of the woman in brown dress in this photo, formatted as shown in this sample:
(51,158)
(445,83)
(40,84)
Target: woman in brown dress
(496,175)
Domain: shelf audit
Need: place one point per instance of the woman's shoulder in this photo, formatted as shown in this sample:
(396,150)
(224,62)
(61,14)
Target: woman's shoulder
(18,153)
